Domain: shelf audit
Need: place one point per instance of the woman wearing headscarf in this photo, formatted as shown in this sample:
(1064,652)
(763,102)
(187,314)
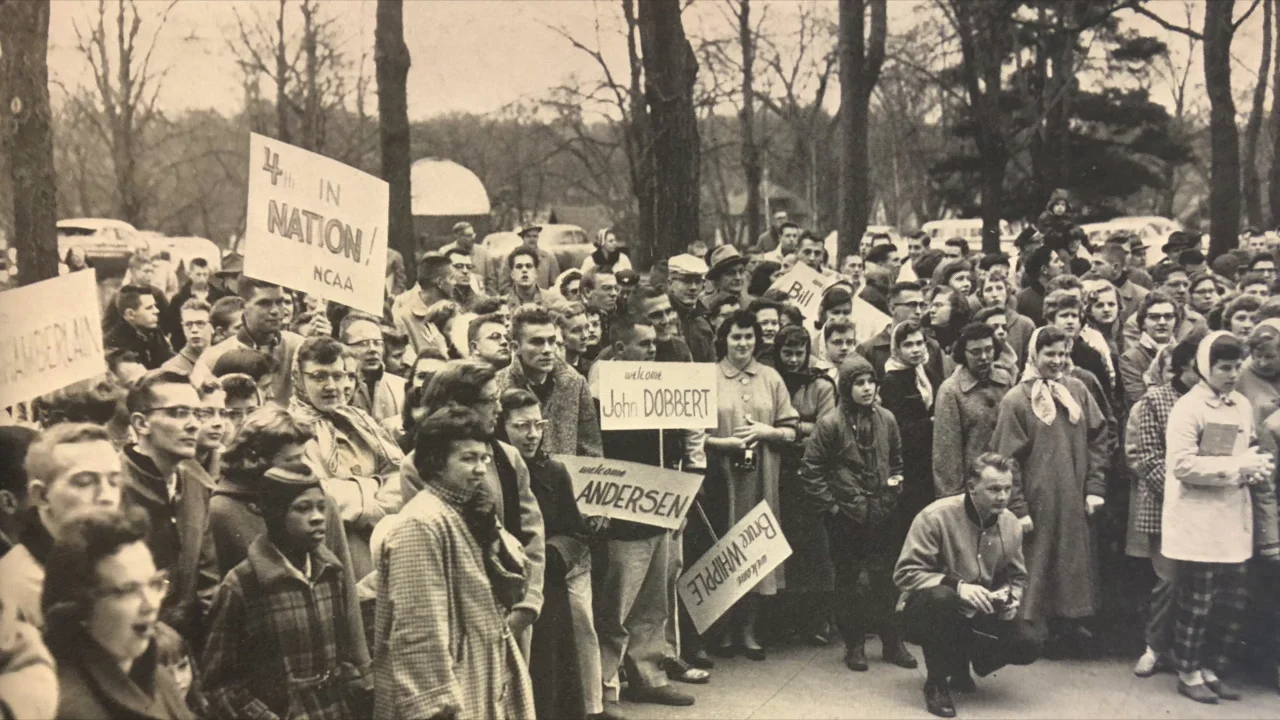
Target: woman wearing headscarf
(610,254)
(908,390)
(1214,476)
(1052,425)
(356,458)
(755,420)
(809,571)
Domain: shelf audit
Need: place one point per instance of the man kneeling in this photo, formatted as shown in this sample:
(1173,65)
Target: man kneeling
(962,576)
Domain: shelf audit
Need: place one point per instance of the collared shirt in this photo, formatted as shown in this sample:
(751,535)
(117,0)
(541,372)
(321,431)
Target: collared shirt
(409,313)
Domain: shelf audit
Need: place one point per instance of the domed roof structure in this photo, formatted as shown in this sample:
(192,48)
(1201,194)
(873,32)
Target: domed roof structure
(443,187)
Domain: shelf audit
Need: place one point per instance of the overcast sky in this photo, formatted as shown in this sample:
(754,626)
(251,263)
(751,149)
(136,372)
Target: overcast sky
(468,56)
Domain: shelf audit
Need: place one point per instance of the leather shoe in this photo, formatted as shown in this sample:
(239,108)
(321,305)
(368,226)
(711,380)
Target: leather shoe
(895,652)
(1222,689)
(1198,692)
(700,660)
(757,653)
(937,699)
(963,683)
(665,695)
(679,670)
(610,712)
(855,658)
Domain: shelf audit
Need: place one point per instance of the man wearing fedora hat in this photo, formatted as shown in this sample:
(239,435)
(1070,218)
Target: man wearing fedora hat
(548,267)
(728,271)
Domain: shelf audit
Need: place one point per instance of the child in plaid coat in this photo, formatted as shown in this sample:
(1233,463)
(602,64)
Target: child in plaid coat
(283,638)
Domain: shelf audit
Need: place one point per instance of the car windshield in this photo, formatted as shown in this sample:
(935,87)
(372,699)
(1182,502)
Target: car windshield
(568,236)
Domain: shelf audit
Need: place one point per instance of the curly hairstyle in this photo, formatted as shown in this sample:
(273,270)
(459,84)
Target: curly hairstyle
(264,433)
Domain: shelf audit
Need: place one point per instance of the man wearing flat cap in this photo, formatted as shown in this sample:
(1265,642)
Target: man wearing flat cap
(685,275)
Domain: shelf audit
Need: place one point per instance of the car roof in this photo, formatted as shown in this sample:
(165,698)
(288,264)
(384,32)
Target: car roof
(96,224)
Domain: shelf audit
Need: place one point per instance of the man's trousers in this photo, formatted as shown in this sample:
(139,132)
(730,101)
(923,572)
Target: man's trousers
(933,619)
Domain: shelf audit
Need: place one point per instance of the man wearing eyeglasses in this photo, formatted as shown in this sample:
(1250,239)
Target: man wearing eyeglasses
(163,478)
(377,391)
(685,276)
(198,331)
(964,419)
(906,302)
(467,285)
(488,340)
(70,467)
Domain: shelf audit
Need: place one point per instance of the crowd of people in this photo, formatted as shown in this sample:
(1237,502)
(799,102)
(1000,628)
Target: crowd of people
(274,506)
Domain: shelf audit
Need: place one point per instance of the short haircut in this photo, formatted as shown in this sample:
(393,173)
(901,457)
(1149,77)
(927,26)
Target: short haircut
(142,397)
(239,386)
(834,297)
(224,311)
(925,238)
(1115,253)
(439,431)
(119,356)
(459,383)
(322,350)
(1270,309)
(207,388)
(987,313)
(1184,353)
(39,463)
(741,319)
(1261,257)
(245,361)
(130,297)
(880,254)
(623,327)
(595,271)
(266,431)
(1047,336)
(1065,282)
(486,305)
(461,227)
(433,265)
(95,400)
(515,399)
(958,242)
(1190,257)
(249,286)
(354,317)
(1059,301)
(1161,273)
(1240,303)
(14,441)
(718,302)
(949,270)
(473,327)
(528,315)
(990,260)
(901,288)
(523,250)
(199,262)
(1251,278)
(972,332)
(71,583)
(195,305)
(793,314)
(1038,261)
(788,225)
(1153,298)
(905,330)
(838,326)
(567,277)
(764,304)
(138,260)
(642,295)
(993,461)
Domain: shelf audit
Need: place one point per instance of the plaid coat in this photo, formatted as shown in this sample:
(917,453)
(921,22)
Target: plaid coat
(442,647)
(1145,451)
(281,645)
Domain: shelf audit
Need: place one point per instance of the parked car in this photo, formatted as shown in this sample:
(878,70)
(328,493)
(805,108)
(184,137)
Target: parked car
(107,243)
(1152,229)
(568,243)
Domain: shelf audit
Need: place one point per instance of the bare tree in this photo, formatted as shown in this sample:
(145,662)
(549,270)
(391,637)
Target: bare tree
(1273,175)
(27,138)
(392,59)
(751,166)
(860,60)
(127,96)
(1252,184)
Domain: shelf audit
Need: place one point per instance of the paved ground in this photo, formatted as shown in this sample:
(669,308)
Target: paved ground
(812,683)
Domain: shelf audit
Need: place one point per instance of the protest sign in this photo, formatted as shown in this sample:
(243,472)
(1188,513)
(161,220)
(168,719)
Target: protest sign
(645,396)
(631,491)
(752,549)
(315,225)
(804,287)
(50,336)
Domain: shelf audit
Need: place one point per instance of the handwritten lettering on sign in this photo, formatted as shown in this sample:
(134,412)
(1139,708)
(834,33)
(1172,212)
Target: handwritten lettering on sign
(804,287)
(316,225)
(50,336)
(631,491)
(639,396)
(752,549)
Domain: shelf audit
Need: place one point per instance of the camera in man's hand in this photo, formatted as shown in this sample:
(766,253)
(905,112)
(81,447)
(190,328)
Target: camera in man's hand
(1001,599)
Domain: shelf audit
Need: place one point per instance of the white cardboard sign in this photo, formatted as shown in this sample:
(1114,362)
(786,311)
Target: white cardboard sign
(315,225)
(667,396)
(50,336)
(752,549)
(631,491)
(804,287)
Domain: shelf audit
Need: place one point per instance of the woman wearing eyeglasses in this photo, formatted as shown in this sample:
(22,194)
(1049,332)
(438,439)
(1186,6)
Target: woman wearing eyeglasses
(102,599)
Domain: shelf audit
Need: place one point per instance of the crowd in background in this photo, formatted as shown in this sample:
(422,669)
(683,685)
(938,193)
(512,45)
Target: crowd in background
(274,506)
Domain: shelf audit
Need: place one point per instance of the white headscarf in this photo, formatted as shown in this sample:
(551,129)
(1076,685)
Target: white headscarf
(922,378)
(1048,393)
(1203,365)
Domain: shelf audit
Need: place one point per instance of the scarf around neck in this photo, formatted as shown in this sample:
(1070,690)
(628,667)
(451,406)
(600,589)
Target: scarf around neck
(896,363)
(343,418)
(1047,393)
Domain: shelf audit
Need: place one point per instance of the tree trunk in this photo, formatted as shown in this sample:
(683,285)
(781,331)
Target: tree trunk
(750,151)
(282,80)
(1253,130)
(671,69)
(860,61)
(639,144)
(28,136)
(1273,177)
(984,33)
(1224,138)
(391,60)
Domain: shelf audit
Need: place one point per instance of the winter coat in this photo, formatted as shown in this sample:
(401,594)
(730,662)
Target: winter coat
(575,425)
(964,419)
(839,473)
(92,686)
